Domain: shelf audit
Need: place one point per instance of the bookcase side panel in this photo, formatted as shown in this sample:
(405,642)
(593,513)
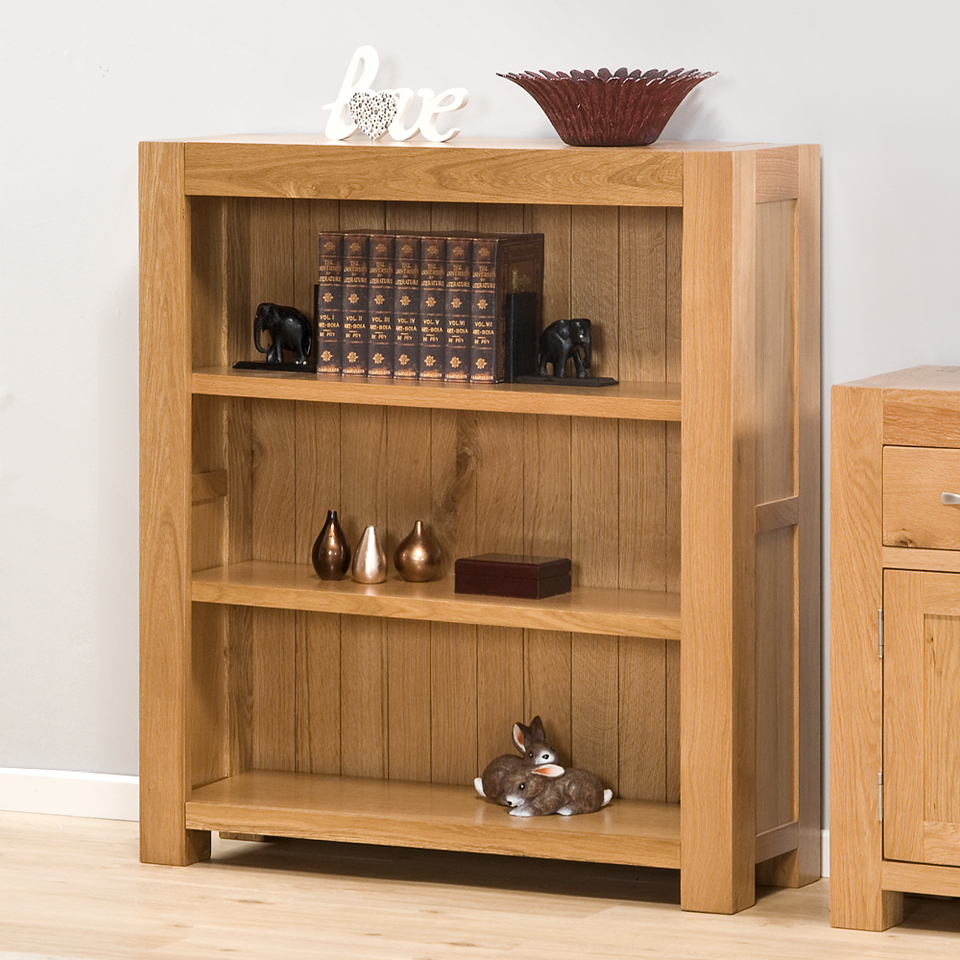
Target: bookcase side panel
(776,600)
(165,503)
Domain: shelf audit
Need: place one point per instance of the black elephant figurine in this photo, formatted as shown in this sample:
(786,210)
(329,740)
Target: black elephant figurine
(289,329)
(562,340)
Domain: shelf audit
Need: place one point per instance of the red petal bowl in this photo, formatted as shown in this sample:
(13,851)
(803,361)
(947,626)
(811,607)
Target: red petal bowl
(608,109)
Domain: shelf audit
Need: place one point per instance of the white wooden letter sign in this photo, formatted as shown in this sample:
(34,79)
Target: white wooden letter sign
(359,107)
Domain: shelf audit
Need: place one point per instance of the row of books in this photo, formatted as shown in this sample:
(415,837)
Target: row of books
(451,306)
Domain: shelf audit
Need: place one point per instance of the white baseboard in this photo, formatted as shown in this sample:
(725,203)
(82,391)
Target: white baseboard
(825,853)
(104,796)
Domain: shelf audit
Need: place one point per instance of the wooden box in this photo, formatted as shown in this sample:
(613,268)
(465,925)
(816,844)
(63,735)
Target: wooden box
(512,575)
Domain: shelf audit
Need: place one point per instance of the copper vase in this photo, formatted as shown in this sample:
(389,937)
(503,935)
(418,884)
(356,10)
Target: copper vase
(418,555)
(331,552)
(370,560)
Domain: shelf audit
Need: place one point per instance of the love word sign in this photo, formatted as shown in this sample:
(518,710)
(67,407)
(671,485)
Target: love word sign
(358,107)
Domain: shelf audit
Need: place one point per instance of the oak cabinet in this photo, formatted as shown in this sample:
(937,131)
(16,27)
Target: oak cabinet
(895,642)
(684,665)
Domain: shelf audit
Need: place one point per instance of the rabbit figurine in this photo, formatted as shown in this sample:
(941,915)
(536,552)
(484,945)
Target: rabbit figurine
(532,743)
(548,788)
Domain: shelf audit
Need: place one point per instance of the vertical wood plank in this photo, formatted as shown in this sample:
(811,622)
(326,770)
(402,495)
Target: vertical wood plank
(364,470)
(717,536)
(809,486)
(318,693)
(904,697)
(856,694)
(165,607)
(941,721)
(453,652)
(317,467)
(554,223)
(408,643)
(547,671)
(594,713)
(672,525)
(500,470)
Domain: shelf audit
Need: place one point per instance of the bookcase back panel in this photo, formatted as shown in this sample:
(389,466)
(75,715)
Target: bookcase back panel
(617,266)
(321,693)
(483,482)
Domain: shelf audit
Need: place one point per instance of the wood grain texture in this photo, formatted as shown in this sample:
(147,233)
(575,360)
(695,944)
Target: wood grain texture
(718,502)
(806,866)
(629,400)
(353,170)
(856,709)
(914,478)
(165,472)
(921,704)
(371,681)
(73,887)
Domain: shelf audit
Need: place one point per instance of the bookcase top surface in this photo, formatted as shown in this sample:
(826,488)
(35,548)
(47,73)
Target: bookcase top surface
(463,170)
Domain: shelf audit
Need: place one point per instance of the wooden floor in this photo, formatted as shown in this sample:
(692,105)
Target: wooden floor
(74,888)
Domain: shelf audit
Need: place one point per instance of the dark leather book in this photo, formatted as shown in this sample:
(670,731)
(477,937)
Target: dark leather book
(456,345)
(501,267)
(380,279)
(355,331)
(433,259)
(406,308)
(330,303)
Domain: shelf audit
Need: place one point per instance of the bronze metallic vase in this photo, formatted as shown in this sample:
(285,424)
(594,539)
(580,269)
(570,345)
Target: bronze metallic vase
(331,552)
(370,560)
(418,556)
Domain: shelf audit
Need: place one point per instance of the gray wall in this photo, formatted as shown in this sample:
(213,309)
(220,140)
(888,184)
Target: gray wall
(83,82)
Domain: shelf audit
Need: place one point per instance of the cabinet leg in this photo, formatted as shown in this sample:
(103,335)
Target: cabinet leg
(856,905)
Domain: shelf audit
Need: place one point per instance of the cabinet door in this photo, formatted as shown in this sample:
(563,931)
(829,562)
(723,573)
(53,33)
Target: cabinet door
(921,722)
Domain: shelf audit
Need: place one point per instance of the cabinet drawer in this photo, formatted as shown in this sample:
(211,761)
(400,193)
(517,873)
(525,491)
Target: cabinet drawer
(914,482)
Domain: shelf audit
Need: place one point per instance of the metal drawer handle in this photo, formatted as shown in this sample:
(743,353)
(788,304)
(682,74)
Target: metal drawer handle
(950,499)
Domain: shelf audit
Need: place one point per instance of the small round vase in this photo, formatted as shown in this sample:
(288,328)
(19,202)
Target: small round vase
(418,555)
(370,560)
(331,552)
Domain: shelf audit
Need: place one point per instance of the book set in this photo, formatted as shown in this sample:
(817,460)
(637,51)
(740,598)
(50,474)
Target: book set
(452,307)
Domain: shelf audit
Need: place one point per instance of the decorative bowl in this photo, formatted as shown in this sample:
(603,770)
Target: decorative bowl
(608,109)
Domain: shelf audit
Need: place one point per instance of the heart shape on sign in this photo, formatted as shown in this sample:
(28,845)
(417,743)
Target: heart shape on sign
(373,112)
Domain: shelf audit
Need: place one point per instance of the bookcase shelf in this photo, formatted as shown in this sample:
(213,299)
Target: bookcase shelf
(628,613)
(430,815)
(626,401)
(685,661)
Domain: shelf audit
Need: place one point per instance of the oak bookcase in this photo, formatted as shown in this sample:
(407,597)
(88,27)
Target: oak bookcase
(684,664)
(894,678)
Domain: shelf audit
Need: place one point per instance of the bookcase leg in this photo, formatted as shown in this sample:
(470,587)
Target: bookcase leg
(174,847)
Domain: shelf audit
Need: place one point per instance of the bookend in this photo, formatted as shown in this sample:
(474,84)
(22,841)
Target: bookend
(289,330)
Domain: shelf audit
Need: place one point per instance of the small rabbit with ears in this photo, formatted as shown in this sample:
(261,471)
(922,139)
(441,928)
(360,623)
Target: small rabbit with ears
(548,788)
(532,743)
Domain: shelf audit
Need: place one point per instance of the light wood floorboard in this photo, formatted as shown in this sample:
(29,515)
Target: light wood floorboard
(74,888)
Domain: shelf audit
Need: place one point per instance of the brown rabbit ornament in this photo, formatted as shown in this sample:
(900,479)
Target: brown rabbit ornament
(532,743)
(548,788)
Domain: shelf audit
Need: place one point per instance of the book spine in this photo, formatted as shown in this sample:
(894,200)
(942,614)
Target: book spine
(355,330)
(330,304)
(483,311)
(380,278)
(433,252)
(406,308)
(456,347)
